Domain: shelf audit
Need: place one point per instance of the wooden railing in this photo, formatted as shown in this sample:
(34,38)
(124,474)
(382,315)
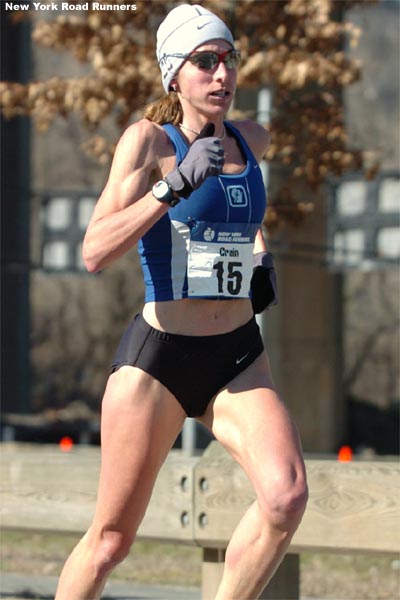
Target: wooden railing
(353,507)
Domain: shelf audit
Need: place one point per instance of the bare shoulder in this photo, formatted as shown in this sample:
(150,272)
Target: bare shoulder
(257,136)
(142,142)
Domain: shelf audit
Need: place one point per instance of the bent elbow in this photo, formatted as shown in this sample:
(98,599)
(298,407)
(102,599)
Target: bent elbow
(89,260)
(91,267)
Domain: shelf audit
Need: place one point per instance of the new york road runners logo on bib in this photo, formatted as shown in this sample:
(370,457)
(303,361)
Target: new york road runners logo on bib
(209,234)
(220,259)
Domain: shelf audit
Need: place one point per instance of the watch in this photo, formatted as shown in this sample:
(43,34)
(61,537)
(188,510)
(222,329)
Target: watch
(163,192)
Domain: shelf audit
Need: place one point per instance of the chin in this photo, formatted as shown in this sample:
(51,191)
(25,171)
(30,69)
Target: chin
(218,110)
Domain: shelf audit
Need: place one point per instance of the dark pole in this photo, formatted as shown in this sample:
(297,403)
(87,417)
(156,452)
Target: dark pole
(15,207)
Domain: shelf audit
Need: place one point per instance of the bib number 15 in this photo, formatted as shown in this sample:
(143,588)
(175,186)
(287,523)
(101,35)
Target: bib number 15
(229,275)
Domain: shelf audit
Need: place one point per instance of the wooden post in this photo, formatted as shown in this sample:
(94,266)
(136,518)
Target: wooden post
(212,570)
(285,584)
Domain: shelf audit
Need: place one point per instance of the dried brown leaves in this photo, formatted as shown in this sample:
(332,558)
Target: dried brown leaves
(293,46)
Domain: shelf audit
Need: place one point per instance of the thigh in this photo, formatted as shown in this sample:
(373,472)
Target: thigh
(248,418)
(139,423)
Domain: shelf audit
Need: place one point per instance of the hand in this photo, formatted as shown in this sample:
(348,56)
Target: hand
(205,158)
(264,288)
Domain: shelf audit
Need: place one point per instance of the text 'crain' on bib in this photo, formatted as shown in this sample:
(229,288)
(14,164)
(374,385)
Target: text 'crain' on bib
(220,259)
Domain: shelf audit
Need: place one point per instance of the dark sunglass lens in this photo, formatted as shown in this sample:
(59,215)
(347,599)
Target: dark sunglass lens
(232,59)
(208,60)
(204,60)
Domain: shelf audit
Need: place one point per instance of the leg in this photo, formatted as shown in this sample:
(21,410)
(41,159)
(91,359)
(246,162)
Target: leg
(140,422)
(250,421)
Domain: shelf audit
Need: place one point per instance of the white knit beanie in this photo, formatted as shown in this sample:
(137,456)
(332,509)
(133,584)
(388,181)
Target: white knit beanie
(185,28)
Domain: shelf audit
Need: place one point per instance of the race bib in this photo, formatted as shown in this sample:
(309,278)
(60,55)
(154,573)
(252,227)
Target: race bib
(220,259)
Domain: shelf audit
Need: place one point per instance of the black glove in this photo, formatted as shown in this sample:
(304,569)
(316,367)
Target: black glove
(264,288)
(205,158)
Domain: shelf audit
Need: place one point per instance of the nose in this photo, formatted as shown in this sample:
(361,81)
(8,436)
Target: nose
(221,72)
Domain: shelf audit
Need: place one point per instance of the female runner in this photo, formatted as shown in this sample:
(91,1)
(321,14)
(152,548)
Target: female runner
(186,187)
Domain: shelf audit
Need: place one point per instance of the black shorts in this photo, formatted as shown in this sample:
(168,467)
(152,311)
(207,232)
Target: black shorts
(192,368)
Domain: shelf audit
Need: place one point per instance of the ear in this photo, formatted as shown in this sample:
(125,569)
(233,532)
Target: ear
(174,85)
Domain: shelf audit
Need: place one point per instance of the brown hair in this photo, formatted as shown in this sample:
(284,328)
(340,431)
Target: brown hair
(167,109)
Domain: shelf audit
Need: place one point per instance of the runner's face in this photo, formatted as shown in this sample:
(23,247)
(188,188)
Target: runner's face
(206,87)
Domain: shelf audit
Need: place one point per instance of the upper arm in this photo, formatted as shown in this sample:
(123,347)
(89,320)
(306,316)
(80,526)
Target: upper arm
(136,162)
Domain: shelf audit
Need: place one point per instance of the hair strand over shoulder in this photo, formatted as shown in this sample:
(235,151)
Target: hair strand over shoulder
(167,109)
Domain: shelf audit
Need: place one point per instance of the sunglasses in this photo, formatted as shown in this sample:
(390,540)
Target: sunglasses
(208,59)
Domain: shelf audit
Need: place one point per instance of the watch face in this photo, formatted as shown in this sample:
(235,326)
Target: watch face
(160,189)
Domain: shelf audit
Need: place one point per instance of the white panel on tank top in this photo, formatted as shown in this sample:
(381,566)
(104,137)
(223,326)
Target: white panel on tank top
(180,237)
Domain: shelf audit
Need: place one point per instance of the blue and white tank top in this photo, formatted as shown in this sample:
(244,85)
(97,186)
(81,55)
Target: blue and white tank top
(203,247)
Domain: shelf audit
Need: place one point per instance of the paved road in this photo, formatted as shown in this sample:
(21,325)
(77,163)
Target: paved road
(28,587)
(22,587)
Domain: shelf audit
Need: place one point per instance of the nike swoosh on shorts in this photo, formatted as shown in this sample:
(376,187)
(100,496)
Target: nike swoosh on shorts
(241,359)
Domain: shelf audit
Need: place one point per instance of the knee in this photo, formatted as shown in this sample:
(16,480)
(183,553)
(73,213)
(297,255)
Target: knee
(285,500)
(110,549)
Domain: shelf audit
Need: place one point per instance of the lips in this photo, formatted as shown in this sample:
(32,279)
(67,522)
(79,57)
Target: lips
(220,94)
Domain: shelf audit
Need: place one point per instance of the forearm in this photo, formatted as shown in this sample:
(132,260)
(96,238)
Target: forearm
(112,235)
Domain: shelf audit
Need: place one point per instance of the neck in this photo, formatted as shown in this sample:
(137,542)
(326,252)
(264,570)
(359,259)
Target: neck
(220,132)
